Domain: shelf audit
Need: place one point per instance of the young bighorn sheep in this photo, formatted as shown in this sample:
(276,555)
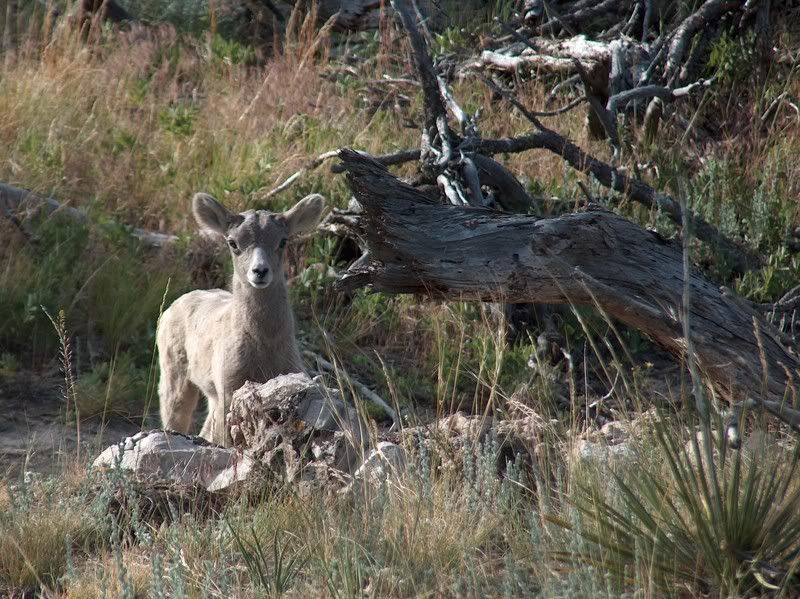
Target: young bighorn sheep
(213,341)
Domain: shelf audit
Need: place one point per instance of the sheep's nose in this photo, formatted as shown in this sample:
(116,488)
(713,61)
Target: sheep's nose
(260,272)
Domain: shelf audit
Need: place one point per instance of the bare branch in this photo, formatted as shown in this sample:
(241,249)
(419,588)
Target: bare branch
(513,197)
(511,99)
(450,191)
(391,159)
(558,87)
(648,15)
(435,111)
(454,107)
(470,175)
(789,302)
(619,100)
(308,167)
(782,412)
(394,81)
(710,11)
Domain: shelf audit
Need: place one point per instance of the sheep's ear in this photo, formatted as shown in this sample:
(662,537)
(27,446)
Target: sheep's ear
(212,215)
(304,215)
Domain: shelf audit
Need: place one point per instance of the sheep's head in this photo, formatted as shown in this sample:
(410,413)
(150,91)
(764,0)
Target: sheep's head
(257,238)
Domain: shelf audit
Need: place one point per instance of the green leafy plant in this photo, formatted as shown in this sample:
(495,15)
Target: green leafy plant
(230,51)
(178,119)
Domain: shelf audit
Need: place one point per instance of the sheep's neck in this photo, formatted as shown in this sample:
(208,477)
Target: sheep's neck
(264,310)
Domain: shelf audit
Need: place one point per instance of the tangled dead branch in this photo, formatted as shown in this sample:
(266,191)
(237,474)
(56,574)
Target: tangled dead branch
(448,158)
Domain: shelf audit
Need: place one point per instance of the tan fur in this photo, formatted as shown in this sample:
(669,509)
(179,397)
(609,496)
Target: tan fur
(214,341)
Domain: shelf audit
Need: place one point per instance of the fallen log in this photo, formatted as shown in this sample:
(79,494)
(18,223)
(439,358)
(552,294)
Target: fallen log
(16,201)
(594,258)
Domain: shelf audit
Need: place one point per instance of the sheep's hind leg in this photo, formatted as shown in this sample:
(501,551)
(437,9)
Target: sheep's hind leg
(178,399)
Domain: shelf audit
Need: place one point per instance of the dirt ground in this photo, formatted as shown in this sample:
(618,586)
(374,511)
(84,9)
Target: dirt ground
(35,434)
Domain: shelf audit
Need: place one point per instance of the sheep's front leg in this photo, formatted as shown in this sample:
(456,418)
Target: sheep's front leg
(177,398)
(214,426)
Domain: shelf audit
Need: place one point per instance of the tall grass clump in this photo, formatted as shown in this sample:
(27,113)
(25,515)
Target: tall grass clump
(274,570)
(729,527)
(44,524)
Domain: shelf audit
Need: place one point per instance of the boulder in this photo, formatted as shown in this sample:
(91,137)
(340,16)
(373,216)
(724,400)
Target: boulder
(299,430)
(159,457)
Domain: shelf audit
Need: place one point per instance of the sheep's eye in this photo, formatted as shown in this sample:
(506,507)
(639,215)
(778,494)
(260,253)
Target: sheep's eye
(282,244)
(233,245)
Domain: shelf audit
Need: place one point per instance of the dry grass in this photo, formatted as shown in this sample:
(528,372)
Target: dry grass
(108,576)
(33,545)
(136,124)
(131,124)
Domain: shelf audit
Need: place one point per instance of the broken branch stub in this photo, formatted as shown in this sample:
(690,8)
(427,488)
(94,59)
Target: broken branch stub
(591,258)
(435,109)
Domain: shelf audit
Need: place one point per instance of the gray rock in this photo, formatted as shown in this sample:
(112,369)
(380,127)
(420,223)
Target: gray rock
(386,461)
(290,399)
(298,429)
(588,452)
(162,456)
(385,457)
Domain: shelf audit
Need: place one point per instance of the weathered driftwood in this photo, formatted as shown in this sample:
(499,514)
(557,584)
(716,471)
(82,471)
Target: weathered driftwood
(709,12)
(665,60)
(549,55)
(440,144)
(436,126)
(16,201)
(591,258)
(592,59)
